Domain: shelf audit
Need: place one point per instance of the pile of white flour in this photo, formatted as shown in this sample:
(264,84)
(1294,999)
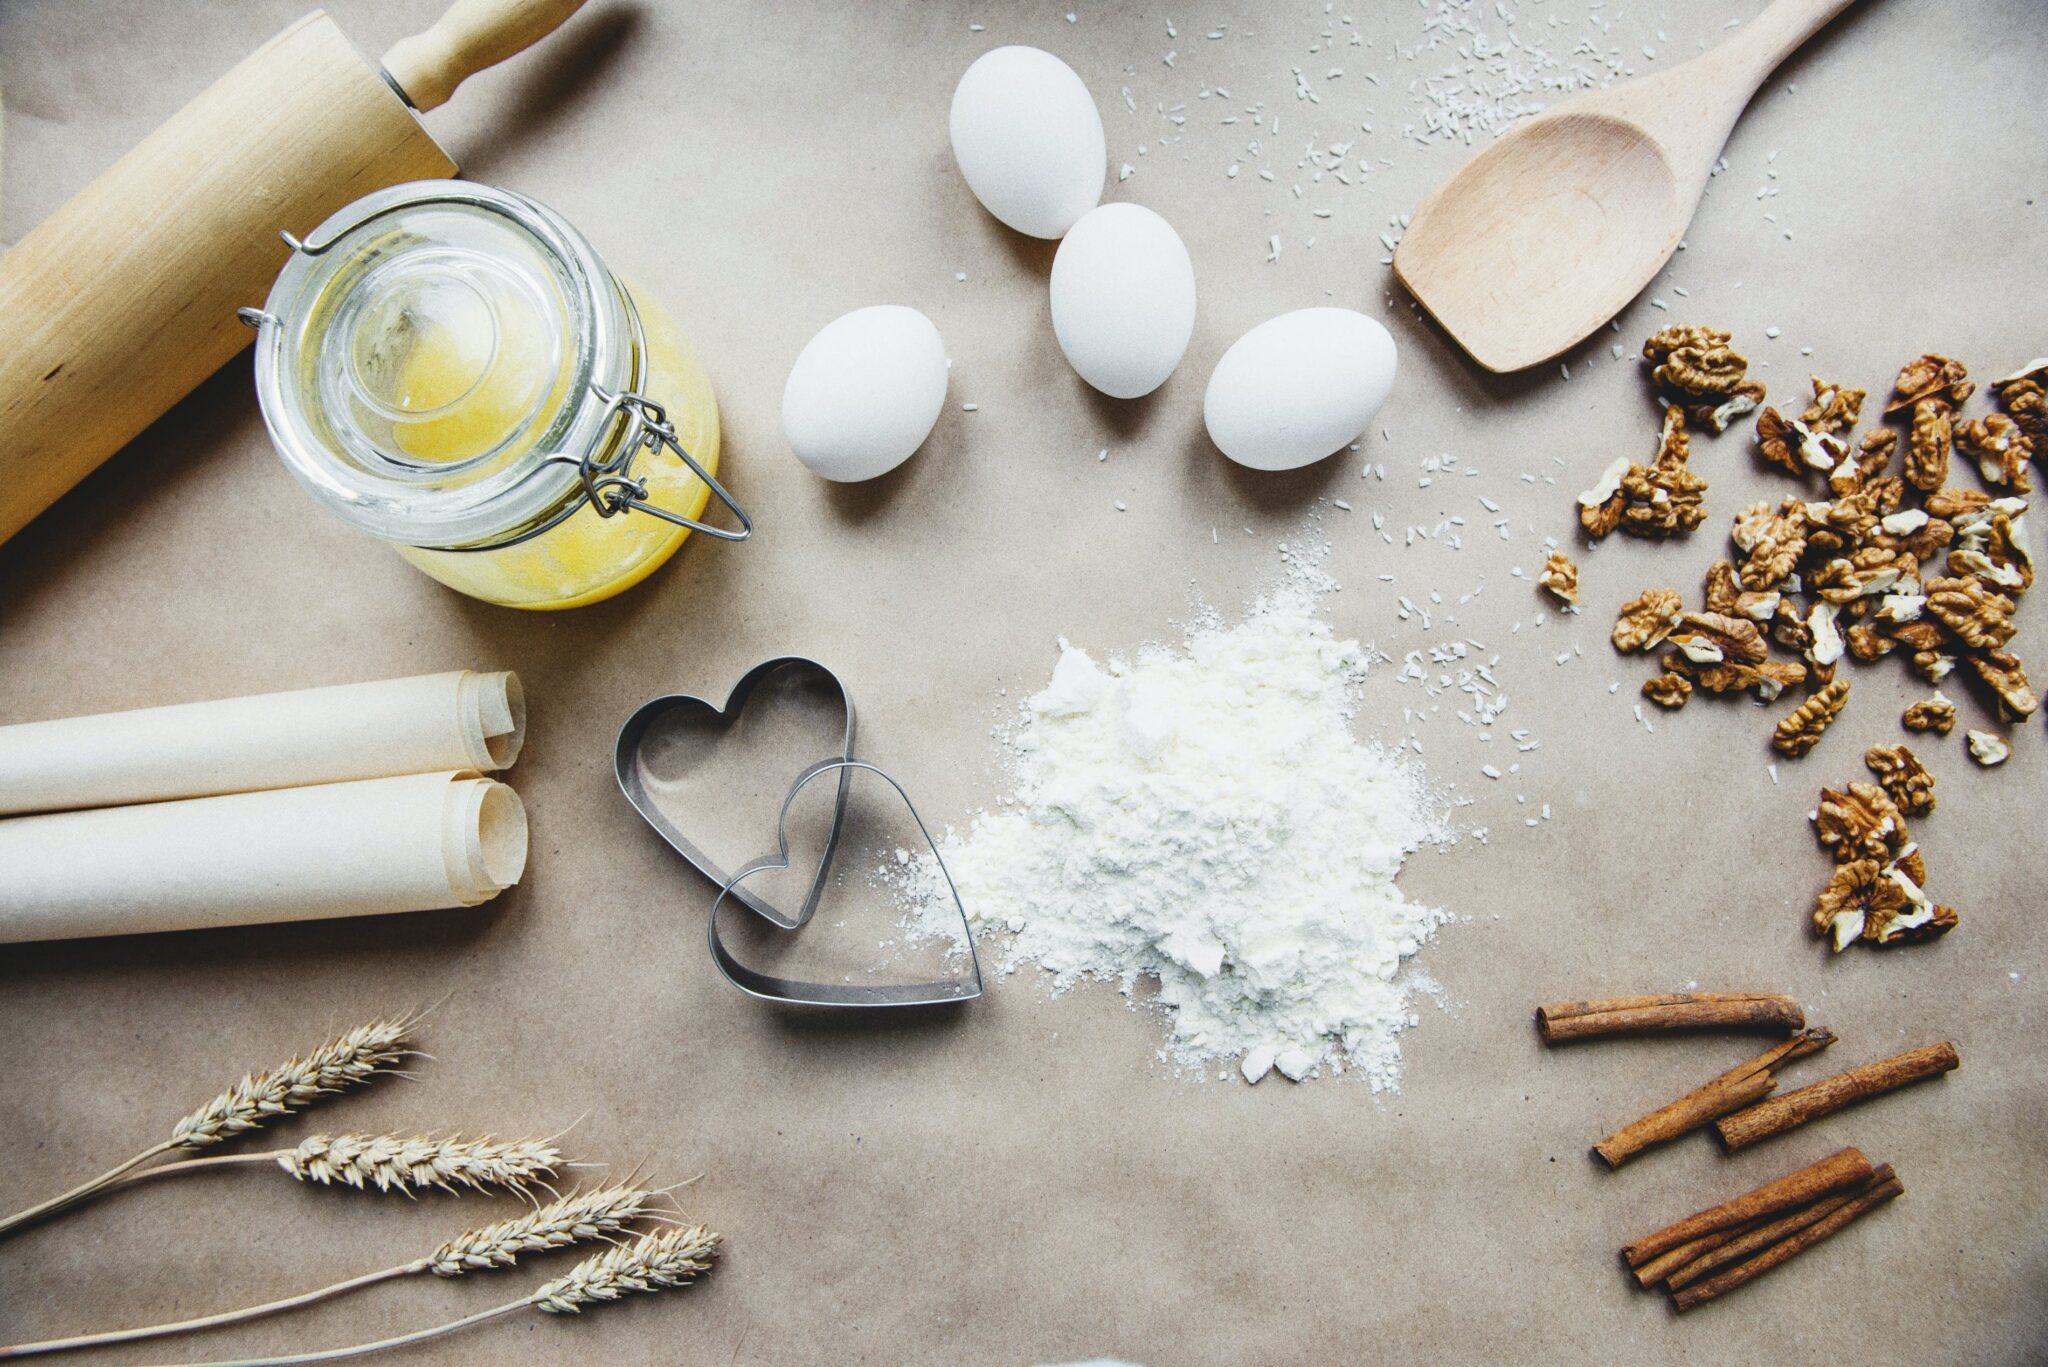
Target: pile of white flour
(1205,818)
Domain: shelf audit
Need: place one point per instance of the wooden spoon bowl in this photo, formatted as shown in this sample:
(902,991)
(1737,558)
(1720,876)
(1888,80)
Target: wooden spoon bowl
(1548,233)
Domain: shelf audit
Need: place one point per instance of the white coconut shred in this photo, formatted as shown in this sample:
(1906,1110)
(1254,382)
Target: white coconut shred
(1204,818)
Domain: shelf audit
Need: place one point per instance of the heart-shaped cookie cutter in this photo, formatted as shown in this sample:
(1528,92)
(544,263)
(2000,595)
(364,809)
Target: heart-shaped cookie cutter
(626,767)
(768,987)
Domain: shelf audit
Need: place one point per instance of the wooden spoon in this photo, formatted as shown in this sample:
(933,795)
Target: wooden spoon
(1549,232)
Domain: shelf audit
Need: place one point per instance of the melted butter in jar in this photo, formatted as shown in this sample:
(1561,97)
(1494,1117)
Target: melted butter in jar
(457,370)
(440,365)
(614,553)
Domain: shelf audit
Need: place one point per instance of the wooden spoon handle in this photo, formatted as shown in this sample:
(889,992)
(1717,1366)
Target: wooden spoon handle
(472,35)
(1767,40)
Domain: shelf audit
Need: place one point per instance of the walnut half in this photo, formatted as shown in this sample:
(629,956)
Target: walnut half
(1904,777)
(1936,714)
(1663,498)
(1862,823)
(1709,638)
(1980,618)
(2002,673)
(1723,587)
(1801,730)
(2024,399)
(1659,499)
(1647,619)
(1929,441)
(1696,369)
(1932,377)
(1771,540)
(1669,691)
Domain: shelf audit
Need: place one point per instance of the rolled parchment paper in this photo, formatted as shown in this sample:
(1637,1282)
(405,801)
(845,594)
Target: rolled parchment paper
(415,843)
(424,725)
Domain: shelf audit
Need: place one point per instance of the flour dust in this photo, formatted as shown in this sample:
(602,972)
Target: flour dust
(1202,818)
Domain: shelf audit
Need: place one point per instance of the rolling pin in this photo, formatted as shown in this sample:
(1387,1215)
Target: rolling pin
(123,300)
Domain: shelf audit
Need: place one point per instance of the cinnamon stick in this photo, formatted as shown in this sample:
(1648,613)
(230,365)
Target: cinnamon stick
(1664,1264)
(1839,1171)
(1561,1021)
(1829,1095)
(1763,1236)
(1786,1249)
(1731,1091)
(1689,1112)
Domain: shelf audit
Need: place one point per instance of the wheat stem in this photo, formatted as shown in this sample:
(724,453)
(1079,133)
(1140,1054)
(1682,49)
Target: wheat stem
(575,1218)
(360,1349)
(226,1317)
(82,1191)
(654,1262)
(185,1167)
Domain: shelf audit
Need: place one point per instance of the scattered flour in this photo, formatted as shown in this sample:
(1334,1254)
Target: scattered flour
(1204,818)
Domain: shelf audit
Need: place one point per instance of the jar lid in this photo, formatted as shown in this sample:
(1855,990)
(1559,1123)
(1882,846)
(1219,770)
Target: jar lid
(433,345)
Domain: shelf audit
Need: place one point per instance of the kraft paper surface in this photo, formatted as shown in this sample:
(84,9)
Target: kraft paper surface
(1022,1180)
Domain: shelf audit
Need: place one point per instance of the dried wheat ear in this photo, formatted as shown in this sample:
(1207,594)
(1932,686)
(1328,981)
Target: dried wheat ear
(349,1060)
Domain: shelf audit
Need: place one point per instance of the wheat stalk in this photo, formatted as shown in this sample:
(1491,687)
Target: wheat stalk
(348,1060)
(653,1262)
(579,1217)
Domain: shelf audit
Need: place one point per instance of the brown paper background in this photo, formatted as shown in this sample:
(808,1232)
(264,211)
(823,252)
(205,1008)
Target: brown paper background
(1021,1180)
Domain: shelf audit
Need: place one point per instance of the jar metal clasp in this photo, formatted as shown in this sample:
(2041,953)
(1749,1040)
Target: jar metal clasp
(609,483)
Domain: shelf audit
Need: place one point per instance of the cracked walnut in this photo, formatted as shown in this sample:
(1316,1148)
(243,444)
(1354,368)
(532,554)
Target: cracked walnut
(1561,577)
(1867,901)
(1904,777)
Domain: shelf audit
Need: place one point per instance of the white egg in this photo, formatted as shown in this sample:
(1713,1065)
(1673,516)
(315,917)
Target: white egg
(1029,140)
(1298,387)
(1123,299)
(863,395)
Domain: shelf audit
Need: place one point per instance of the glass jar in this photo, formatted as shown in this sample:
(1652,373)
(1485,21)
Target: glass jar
(452,369)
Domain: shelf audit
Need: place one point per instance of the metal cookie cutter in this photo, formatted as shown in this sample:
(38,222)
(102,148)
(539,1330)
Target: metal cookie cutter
(826,690)
(791,670)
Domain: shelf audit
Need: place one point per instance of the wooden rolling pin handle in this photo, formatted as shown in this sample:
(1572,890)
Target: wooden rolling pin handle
(472,35)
